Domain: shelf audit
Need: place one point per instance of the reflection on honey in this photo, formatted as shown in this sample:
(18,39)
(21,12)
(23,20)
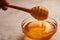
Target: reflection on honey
(38,30)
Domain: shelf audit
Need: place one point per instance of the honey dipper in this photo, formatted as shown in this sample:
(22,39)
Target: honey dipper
(38,12)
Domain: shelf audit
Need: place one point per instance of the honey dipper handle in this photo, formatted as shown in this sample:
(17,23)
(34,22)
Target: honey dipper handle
(19,8)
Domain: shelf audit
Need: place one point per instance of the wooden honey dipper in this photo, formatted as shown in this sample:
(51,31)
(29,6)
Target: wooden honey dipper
(38,12)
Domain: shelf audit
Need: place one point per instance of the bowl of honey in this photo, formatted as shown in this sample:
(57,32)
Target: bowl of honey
(38,29)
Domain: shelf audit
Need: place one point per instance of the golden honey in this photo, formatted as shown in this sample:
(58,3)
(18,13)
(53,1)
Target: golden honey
(38,30)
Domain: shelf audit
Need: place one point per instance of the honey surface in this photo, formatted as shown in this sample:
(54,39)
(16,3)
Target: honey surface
(37,29)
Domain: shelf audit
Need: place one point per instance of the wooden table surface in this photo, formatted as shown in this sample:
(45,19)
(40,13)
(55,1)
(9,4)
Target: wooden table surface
(10,20)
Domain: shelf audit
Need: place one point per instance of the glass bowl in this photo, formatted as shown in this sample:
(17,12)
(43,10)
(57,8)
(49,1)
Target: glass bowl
(34,31)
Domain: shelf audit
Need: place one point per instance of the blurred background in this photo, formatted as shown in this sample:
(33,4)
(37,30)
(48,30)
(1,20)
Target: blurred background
(10,20)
